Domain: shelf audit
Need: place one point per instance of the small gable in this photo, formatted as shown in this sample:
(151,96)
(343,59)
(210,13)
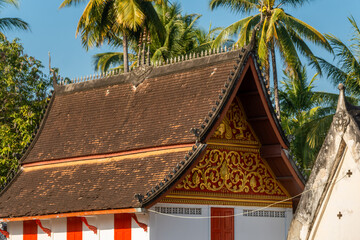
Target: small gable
(231,171)
(234,128)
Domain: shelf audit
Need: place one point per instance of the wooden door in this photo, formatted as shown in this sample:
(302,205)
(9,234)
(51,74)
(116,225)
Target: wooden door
(222,224)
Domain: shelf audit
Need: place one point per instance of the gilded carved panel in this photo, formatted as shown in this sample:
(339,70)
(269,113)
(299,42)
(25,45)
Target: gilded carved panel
(234,127)
(232,171)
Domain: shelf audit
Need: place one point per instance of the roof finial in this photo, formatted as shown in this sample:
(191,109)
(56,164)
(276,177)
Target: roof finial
(148,48)
(143,58)
(341,101)
(53,72)
(139,53)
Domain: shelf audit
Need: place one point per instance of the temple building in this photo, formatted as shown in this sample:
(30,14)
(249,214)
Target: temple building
(330,206)
(185,150)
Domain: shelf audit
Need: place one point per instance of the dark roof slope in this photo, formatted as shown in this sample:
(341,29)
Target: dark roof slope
(110,115)
(87,185)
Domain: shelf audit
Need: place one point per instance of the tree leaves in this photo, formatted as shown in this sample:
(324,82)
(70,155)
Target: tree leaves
(23,92)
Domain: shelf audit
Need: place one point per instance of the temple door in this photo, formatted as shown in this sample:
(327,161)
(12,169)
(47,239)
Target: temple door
(222,224)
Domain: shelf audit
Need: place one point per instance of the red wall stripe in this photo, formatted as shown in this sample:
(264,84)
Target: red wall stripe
(30,230)
(74,228)
(122,224)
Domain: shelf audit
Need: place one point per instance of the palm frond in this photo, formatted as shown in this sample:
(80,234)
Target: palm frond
(69,3)
(287,49)
(230,30)
(245,6)
(13,23)
(307,31)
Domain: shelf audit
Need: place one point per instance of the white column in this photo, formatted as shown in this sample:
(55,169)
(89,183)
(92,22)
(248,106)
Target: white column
(106,227)
(138,233)
(41,234)
(87,233)
(16,230)
(58,228)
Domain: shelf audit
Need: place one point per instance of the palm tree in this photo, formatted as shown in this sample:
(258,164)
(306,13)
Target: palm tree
(11,23)
(277,30)
(347,69)
(182,36)
(105,20)
(306,115)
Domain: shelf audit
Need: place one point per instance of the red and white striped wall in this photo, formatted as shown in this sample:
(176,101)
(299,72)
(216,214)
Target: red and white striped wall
(124,226)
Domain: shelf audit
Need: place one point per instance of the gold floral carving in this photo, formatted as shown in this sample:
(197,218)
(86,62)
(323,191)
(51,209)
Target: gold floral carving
(234,126)
(233,172)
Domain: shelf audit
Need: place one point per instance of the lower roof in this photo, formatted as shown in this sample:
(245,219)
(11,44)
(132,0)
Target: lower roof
(88,185)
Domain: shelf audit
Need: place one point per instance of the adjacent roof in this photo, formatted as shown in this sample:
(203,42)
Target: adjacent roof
(87,148)
(87,185)
(344,133)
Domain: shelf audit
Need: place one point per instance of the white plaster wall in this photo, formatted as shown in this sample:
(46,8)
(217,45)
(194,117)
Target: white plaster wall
(42,235)
(138,233)
(248,228)
(15,230)
(344,197)
(58,228)
(104,223)
(87,233)
(255,228)
(106,226)
(165,227)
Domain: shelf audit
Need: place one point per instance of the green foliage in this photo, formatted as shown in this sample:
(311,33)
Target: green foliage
(23,93)
(347,68)
(275,29)
(306,116)
(181,36)
(11,23)
(109,21)
(278,28)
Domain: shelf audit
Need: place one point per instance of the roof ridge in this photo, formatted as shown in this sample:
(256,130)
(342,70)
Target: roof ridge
(170,61)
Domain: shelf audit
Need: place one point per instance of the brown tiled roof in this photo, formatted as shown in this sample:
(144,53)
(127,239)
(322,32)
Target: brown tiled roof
(109,115)
(87,185)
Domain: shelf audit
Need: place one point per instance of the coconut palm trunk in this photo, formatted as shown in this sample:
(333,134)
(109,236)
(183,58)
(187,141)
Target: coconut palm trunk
(125,52)
(267,73)
(276,88)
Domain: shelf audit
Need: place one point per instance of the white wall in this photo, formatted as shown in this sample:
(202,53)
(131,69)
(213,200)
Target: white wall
(161,227)
(344,197)
(87,233)
(42,235)
(58,228)
(245,227)
(165,227)
(138,233)
(16,230)
(104,224)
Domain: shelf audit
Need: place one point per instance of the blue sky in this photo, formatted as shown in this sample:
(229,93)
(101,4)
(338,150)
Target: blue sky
(54,30)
